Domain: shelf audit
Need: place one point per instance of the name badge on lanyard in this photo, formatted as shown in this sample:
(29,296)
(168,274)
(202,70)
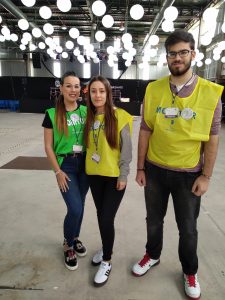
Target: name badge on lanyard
(171,112)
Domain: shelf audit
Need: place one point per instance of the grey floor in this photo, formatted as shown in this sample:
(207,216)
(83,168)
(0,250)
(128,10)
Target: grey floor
(31,217)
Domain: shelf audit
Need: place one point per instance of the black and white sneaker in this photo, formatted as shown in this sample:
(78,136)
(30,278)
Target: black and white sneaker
(79,248)
(70,260)
(102,275)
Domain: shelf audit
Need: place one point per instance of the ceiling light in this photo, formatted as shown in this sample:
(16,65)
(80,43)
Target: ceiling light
(154,40)
(22,47)
(69,45)
(48,28)
(0,19)
(64,5)
(100,36)
(137,12)
(45,12)
(98,8)
(210,14)
(74,33)
(36,32)
(199,64)
(81,40)
(126,37)
(14,37)
(23,24)
(28,3)
(76,51)
(107,21)
(59,49)
(223,27)
(27,36)
(208,61)
(64,27)
(41,45)
(96,60)
(223,59)
(64,54)
(5,31)
(206,39)
(110,50)
(32,47)
(167,26)
(171,13)
(24,41)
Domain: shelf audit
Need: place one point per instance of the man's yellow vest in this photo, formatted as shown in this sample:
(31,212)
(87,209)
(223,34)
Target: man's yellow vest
(176,142)
(109,158)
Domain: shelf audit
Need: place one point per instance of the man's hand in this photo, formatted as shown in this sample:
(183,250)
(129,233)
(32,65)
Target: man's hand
(140,177)
(200,186)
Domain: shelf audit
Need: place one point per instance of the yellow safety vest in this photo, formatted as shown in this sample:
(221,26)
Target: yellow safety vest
(176,142)
(109,158)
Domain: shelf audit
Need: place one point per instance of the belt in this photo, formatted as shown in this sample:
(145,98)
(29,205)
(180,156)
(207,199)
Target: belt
(70,154)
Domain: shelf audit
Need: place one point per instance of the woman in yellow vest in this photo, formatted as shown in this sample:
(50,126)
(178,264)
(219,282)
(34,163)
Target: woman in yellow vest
(64,146)
(109,152)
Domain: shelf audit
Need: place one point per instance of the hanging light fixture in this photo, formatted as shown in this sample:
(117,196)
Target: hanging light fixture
(100,36)
(98,8)
(64,5)
(171,13)
(45,12)
(48,28)
(28,3)
(137,12)
(23,24)
(107,21)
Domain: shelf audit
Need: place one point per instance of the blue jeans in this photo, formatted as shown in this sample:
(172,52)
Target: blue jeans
(74,198)
(160,184)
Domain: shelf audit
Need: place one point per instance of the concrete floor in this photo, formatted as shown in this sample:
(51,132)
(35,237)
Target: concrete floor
(31,217)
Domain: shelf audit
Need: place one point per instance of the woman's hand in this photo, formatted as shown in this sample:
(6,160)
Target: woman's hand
(62,179)
(121,185)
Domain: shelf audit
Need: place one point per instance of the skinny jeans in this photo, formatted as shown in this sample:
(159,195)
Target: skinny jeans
(107,200)
(161,183)
(74,198)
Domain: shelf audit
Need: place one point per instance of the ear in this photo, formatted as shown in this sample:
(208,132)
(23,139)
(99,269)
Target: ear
(193,55)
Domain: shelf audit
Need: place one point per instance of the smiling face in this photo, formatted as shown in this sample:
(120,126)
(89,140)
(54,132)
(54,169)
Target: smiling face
(98,95)
(178,66)
(70,89)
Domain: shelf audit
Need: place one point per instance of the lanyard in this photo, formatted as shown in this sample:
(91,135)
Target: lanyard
(174,95)
(81,126)
(96,135)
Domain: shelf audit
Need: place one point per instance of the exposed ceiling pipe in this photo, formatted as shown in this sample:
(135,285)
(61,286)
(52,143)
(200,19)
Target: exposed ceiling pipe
(157,21)
(93,27)
(16,12)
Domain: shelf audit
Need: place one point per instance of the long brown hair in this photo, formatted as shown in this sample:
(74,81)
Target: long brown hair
(60,116)
(110,121)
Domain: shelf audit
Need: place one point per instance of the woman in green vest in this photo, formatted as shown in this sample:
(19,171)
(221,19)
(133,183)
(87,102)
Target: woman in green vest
(64,146)
(109,152)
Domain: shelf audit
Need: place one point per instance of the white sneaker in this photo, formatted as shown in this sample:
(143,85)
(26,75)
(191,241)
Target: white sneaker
(142,267)
(97,258)
(102,275)
(192,286)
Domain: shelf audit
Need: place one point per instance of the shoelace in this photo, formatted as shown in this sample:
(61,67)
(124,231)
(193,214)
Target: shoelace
(79,245)
(191,280)
(144,260)
(71,254)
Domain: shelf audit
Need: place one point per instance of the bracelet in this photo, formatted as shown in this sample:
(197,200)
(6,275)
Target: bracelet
(57,172)
(206,176)
(139,169)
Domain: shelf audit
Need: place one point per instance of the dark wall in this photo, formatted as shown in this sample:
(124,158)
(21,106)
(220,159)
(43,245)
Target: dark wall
(33,93)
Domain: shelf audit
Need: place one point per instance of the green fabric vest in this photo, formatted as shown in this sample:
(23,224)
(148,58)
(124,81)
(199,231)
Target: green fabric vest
(75,121)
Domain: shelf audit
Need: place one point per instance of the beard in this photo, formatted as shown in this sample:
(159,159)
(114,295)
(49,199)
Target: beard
(179,71)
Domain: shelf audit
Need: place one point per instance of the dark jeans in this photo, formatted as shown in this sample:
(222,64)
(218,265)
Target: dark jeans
(107,200)
(160,184)
(74,198)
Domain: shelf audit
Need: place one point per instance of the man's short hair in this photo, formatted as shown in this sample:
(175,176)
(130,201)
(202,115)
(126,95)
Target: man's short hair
(179,36)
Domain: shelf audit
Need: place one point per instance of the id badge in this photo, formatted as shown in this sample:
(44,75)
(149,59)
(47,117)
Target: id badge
(77,148)
(95,157)
(171,112)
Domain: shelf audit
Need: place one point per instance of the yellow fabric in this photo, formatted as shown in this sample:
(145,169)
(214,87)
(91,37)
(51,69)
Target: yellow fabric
(178,145)
(109,158)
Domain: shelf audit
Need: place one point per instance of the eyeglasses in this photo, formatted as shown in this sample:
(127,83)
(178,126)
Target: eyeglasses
(181,53)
